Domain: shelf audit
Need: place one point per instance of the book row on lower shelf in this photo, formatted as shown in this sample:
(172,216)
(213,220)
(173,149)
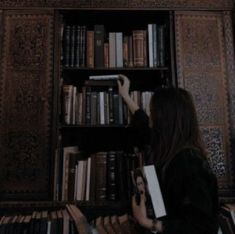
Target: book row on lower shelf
(100,176)
(88,106)
(68,220)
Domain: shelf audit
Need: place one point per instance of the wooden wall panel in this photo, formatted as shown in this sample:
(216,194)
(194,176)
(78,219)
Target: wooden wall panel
(201,69)
(26,105)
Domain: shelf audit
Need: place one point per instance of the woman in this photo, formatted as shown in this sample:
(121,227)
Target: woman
(189,187)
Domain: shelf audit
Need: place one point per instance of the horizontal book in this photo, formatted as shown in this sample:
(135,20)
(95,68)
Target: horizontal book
(145,181)
(104,77)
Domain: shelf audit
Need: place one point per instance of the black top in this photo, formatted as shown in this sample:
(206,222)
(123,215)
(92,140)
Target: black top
(189,189)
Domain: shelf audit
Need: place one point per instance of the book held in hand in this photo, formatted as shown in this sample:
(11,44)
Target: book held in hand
(145,181)
(104,77)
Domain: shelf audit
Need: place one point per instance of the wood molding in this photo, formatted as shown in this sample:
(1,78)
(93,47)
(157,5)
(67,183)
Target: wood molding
(201,69)
(166,4)
(26,105)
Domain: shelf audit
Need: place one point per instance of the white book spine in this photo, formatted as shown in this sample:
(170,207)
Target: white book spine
(102,114)
(150,44)
(155,191)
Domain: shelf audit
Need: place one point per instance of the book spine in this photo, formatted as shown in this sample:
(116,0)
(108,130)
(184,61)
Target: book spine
(66,45)
(90,49)
(99,45)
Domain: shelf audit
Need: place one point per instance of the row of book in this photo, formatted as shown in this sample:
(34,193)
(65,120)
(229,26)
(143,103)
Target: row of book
(91,48)
(88,106)
(101,176)
(69,220)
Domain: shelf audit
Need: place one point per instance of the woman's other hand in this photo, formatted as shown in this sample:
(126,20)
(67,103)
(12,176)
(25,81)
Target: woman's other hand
(123,89)
(123,86)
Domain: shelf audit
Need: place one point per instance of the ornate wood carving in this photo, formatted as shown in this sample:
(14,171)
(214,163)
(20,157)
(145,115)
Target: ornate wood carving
(229,43)
(109,3)
(200,52)
(197,4)
(26,105)
(185,4)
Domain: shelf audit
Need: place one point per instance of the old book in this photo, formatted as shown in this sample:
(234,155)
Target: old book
(72,46)
(139,48)
(90,49)
(145,181)
(99,45)
(82,58)
(112,49)
(161,34)
(125,51)
(66,46)
(77,46)
(106,54)
(100,176)
(119,49)
(67,155)
(112,175)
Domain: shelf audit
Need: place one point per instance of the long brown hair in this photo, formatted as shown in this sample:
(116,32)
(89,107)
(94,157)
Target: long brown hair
(174,125)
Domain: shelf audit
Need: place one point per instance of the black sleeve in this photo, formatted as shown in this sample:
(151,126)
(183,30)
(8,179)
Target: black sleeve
(191,196)
(141,133)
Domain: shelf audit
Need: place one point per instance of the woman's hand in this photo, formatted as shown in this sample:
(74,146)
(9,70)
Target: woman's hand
(139,212)
(140,215)
(123,88)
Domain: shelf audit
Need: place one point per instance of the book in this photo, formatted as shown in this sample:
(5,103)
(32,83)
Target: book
(104,77)
(145,180)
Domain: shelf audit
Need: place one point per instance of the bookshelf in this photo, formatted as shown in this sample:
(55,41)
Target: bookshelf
(92,114)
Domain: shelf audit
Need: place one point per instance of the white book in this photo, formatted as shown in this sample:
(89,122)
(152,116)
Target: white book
(145,180)
(102,114)
(104,77)
(150,44)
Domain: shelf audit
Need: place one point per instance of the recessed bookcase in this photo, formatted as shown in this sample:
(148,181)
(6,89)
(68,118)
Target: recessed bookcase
(104,134)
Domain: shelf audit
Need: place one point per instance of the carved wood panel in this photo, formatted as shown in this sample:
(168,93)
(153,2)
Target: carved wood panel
(201,69)
(185,4)
(109,3)
(197,4)
(26,105)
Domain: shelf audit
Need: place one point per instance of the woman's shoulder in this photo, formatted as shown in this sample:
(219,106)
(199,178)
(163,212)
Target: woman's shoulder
(189,158)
